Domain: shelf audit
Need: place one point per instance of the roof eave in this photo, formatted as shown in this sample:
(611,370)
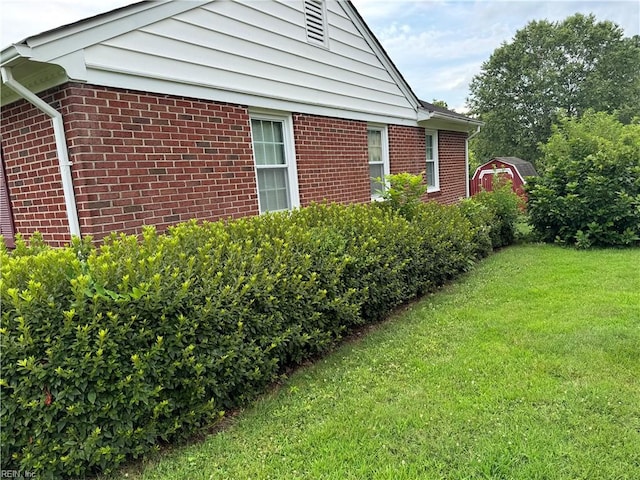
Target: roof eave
(458,122)
(456,118)
(15,54)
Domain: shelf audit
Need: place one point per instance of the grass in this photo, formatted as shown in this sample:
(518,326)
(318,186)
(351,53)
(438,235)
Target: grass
(529,368)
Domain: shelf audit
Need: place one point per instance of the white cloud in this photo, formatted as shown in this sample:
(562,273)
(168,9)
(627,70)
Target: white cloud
(452,78)
(439,46)
(375,10)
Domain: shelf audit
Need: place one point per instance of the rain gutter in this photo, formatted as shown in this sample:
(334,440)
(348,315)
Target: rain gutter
(61,145)
(466,156)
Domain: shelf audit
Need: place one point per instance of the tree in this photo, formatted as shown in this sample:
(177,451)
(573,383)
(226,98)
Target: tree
(474,163)
(588,193)
(440,103)
(548,68)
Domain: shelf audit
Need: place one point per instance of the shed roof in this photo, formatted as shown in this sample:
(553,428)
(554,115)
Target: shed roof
(525,169)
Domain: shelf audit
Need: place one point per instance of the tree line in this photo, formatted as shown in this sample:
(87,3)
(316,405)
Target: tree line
(552,70)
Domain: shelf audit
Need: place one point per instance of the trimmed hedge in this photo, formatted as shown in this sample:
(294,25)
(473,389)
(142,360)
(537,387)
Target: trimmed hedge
(107,351)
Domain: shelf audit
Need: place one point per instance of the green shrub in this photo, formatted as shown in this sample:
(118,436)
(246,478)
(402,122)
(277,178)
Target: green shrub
(481,219)
(404,192)
(588,193)
(107,351)
(524,230)
(373,242)
(504,208)
(446,245)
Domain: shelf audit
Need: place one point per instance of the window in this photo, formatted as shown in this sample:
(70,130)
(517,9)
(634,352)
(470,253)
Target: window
(378,158)
(275,170)
(433,169)
(316,22)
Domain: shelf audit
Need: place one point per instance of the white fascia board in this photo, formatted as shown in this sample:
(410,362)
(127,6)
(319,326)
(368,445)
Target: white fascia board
(436,124)
(451,124)
(74,65)
(375,45)
(424,115)
(172,86)
(61,42)
(454,118)
(431,119)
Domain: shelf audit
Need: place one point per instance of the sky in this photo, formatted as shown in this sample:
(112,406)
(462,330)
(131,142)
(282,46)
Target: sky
(437,45)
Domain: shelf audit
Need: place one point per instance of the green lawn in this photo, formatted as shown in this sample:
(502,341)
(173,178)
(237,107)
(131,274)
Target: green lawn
(528,368)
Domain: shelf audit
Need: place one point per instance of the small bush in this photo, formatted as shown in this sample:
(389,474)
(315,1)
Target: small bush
(502,205)
(107,351)
(404,192)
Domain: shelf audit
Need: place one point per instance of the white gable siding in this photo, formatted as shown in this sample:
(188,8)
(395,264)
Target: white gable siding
(254,53)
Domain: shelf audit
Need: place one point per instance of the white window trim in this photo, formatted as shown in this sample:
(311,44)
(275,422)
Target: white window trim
(289,152)
(435,160)
(386,170)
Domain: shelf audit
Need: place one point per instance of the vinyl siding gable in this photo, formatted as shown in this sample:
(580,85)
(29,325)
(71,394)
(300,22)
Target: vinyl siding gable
(255,53)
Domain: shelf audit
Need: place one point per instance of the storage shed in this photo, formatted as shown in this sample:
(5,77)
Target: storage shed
(511,168)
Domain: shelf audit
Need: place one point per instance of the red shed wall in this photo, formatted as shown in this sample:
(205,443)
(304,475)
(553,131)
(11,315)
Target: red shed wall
(479,183)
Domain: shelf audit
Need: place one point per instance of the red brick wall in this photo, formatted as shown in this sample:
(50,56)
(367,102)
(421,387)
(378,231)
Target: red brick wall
(407,150)
(154,159)
(407,154)
(332,159)
(453,171)
(32,169)
(137,159)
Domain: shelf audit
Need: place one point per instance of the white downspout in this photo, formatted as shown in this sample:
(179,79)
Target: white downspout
(466,157)
(61,145)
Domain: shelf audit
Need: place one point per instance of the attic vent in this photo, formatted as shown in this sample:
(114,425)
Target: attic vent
(316,22)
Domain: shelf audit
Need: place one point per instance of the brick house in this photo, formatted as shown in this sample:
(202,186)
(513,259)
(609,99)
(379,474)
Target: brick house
(163,111)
